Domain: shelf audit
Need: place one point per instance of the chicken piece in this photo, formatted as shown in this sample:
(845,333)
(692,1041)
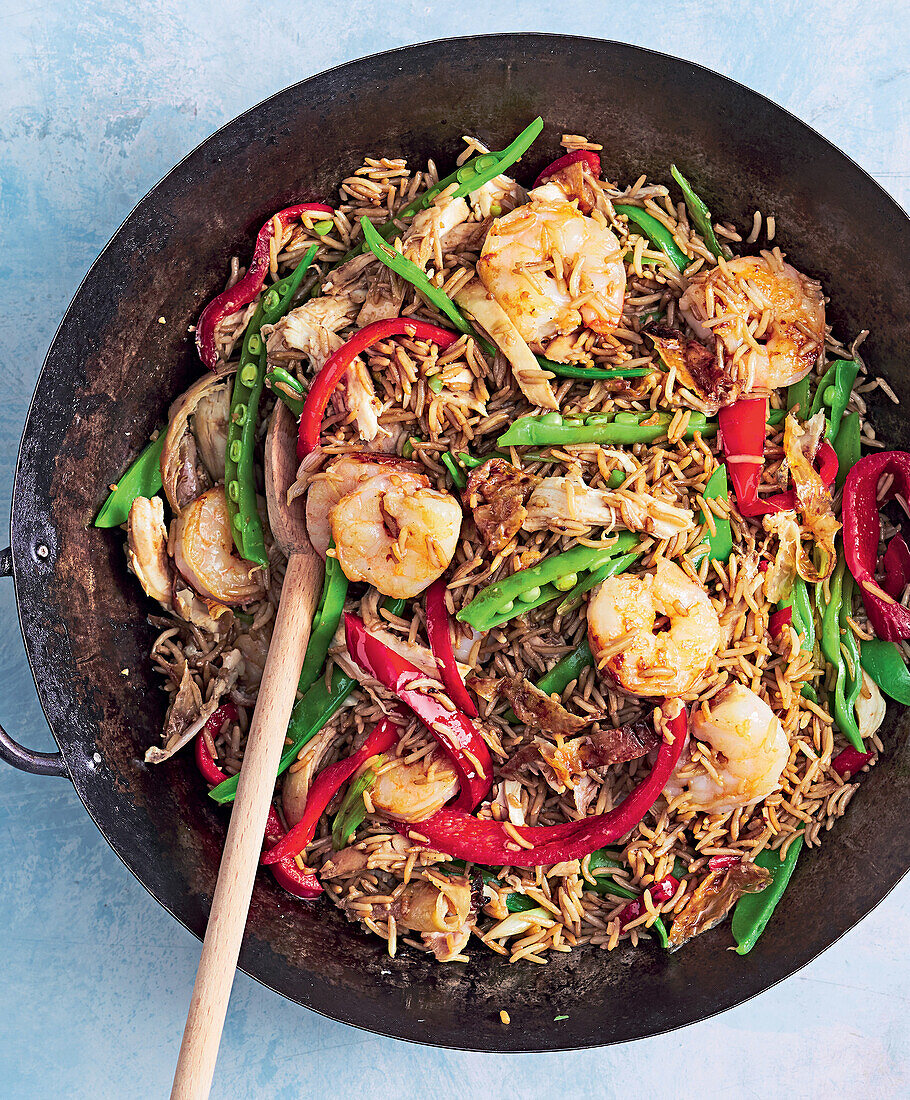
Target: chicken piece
(696,366)
(147,549)
(497,493)
(713,899)
(573,507)
(562,765)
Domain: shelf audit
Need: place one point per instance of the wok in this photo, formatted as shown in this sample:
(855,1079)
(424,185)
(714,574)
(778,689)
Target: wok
(112,370)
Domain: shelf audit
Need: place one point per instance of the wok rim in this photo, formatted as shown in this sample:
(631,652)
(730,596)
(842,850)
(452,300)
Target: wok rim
(340,1010)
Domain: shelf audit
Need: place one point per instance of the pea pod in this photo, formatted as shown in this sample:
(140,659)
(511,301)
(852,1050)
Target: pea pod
(657,233)
(885,664)
(853,681)
(142,478)
(753,911)
(847,447)
(833,393)
(720,544)
(552,429)
(325,621)
(500,601)
(239,479)
(830,639)
(284,385)
(570,370)
(611,568)
(798,398)
(457,474)
(698,212)
(566,670)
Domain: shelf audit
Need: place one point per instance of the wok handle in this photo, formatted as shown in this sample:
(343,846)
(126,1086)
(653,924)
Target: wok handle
(26,760)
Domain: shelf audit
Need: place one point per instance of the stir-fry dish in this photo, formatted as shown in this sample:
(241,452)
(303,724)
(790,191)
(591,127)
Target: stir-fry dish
(611,590)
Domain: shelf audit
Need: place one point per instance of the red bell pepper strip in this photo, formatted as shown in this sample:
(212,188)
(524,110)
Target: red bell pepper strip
(896,563)
(660,892)
(440,634)
(862,531)
(455,733)
(323,385)
(777,620)
(325,786)
(245,290)
(850,761)
(742,437)
(587,156)
(286,873)
(722,863)
(462,836)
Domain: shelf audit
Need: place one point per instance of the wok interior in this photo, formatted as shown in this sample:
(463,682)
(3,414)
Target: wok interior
(113,370)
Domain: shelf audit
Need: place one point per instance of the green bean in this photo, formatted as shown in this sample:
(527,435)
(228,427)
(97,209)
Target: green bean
(657,234)
(698,211)
(239,479)
(495,604)
(142,478)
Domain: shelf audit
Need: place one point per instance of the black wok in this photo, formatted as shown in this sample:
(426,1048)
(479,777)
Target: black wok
(113,369)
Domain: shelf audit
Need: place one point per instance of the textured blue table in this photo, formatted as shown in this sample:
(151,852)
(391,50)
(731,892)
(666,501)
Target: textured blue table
(98,101)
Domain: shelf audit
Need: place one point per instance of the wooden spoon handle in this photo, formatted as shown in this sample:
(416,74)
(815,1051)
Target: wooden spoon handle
(231,901)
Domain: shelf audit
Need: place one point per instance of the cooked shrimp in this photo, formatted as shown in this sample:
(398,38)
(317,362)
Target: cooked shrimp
(769,318)
(395,536)
(553,269)
(413,792)
(203,552)
(621,630)
(344,476)
(749,753)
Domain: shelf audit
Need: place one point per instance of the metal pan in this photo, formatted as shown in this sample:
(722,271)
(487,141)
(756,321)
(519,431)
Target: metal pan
(112,370)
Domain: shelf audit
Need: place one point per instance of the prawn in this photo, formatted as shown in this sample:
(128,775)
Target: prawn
(553,269)
(391,529)
(202,548)
(749,752)
(621,631)
(768,317)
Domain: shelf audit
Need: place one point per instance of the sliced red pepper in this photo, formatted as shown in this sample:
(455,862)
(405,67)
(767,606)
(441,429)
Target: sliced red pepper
(455,733)
(896,563)
(439,631)
(850,761)
(777,620)
(246,289)
(723,863)
(862,532)
(462,836)
(287,874)
(660,892)
(325,786)
(323,385)
(587,156)
(742,438)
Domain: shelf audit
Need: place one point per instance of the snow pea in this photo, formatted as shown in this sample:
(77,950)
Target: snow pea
(721,542)
(847,447)
(623,427)
(753,911)
(325,622)
(657,233)
(142,478)
(884,663)
(833,392)
(698,212)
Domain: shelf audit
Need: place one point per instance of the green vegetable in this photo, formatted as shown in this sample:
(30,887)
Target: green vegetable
(407,450)
(753,911)
(622,427)
(286,386)
(798,395)
(239,481)
(847,447)
(721,542)
(570,370)
(884,663)
(833,392)
(353,809)
(323,227)
(603,858)
(325,622)
(830,638)
(853,680)
(457,474)
(566,670)
(609,569)
(493,605)
(616,478)
(657,234)
(142,478)
(412,274)
(698,212)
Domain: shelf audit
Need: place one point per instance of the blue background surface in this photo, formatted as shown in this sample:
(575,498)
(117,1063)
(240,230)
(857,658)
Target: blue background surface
(97,101)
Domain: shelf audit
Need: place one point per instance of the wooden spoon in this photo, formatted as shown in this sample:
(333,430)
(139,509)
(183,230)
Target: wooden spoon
(231,901)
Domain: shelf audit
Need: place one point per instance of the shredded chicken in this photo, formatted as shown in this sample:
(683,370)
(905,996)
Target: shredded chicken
(564,504)
(696,366)
(713,899)
(147,553)
(563,764)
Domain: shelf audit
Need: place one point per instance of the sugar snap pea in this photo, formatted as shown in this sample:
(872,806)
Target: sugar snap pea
(753,911)
(657,234)
(698,211)
(142,478)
